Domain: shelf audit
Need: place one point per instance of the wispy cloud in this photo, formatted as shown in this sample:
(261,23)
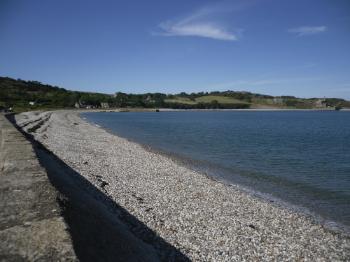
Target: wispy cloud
(308,30)
(205,22)
(209,30)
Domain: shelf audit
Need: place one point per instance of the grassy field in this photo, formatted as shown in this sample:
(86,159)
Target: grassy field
(181,100)
(205,99)
(220,99)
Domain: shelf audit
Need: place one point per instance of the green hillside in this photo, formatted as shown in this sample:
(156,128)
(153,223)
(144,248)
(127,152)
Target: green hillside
(219,99)
(23,95)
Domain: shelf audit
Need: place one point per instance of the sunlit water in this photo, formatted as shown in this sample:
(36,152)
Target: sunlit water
(300,157)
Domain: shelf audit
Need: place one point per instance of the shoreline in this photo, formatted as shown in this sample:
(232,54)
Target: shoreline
(203,218)
(329,224)
(122,110)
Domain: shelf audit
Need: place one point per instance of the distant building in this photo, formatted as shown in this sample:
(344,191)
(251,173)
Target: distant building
(278,100)
(320,103)
(5,109)
(149,99)
(77,105)
(104,105)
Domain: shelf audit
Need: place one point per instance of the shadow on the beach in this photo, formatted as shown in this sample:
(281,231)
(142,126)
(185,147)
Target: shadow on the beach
(101,230)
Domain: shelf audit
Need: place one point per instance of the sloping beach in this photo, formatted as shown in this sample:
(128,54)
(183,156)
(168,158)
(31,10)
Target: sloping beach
(204,219)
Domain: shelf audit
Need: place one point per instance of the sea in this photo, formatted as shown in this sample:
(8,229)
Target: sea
(300,159)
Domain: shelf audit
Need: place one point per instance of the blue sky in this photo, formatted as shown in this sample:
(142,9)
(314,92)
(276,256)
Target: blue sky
(277,47)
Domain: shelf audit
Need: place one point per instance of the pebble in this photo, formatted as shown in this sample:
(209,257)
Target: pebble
(204,219)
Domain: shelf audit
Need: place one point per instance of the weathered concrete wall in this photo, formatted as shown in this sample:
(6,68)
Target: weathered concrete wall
(31,227)
(49,212)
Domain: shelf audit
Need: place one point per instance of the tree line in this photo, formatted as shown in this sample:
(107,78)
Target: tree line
(24,95)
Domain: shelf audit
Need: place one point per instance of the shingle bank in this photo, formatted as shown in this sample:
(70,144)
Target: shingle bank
(48,213)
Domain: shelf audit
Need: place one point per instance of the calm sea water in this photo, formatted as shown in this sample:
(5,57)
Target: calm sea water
(300,157)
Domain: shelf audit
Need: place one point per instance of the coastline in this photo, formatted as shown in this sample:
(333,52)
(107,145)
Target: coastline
(205,219)
(204,110)
(210,172)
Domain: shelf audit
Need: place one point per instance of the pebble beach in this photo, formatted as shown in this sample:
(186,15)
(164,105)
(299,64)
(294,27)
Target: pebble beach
(204,219)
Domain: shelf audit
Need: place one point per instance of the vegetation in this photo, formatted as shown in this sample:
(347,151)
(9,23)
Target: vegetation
(23,95)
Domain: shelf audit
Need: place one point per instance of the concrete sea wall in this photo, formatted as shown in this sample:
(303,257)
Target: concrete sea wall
(31,226)
(49,212)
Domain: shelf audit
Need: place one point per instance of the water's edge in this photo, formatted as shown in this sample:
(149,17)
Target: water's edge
(195,165)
